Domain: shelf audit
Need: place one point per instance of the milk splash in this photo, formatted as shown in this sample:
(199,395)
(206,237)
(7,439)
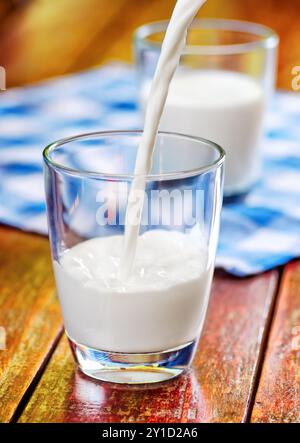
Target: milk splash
(172,48)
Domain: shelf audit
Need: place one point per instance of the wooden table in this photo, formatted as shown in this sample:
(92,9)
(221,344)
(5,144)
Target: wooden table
(246,367)
(248,360)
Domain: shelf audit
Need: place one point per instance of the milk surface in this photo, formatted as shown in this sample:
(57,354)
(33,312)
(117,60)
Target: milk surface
(161,306)
(224,107)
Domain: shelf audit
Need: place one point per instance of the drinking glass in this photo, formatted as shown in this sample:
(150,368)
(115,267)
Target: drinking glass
(220,90)
(148,332)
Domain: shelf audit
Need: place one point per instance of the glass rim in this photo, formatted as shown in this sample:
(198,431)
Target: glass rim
(125,177)
(268,37)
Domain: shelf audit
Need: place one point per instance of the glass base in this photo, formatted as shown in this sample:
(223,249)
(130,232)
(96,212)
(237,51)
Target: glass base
(117,367)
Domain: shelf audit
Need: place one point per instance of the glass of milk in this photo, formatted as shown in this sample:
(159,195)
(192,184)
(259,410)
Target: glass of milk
(220,90)
(145,328)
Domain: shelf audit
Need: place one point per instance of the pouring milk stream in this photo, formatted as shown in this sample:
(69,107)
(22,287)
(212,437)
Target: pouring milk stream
(172,47)
(143,310)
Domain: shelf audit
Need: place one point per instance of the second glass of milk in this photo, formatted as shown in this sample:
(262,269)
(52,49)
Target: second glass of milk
(144,328)
(220,91)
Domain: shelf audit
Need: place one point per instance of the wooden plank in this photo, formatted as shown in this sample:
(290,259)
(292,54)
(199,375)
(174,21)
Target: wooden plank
(45,38)
(5,7)
(217,389)
(120,34)
(278,396)
(29,314)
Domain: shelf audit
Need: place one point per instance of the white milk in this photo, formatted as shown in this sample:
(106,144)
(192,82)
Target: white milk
(172,47)
(222,106)
(161,306)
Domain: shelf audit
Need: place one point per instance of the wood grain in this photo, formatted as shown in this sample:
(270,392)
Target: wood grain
(217,389)
(45,38)
(5,8)
(278,396)
(29,313)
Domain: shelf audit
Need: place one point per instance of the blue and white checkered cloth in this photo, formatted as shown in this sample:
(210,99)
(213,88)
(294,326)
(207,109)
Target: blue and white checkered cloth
(258,234)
